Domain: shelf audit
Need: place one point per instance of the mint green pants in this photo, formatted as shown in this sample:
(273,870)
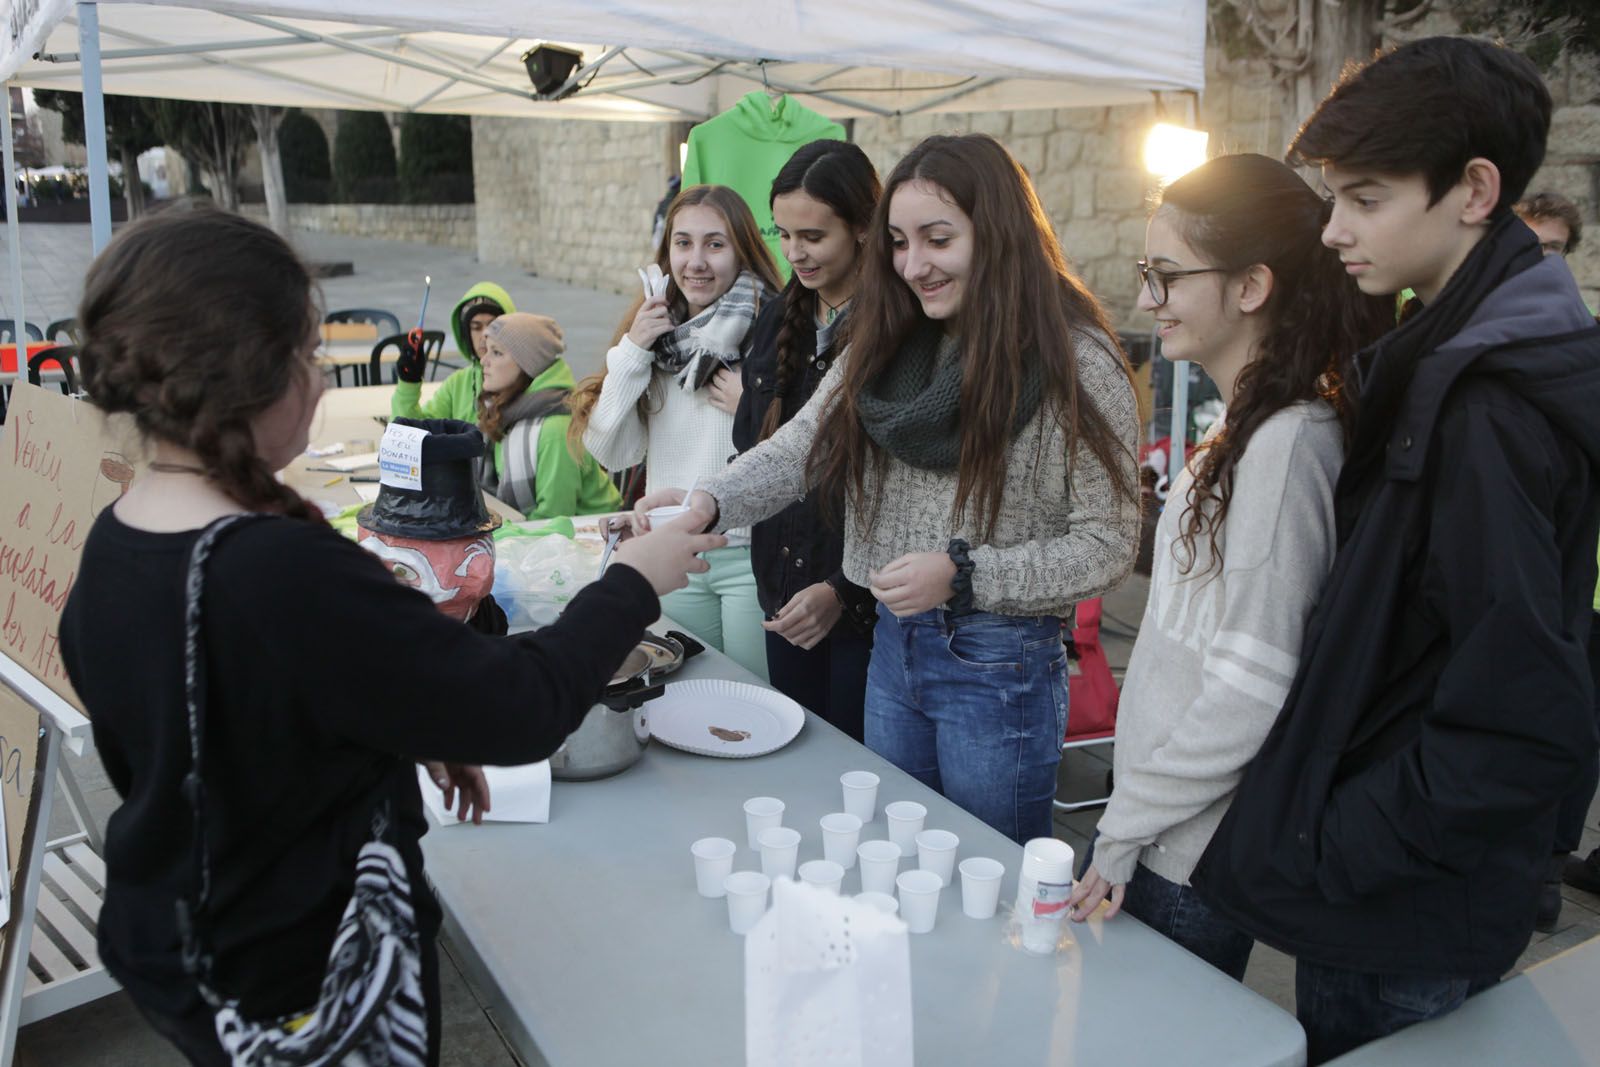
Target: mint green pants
(720,608)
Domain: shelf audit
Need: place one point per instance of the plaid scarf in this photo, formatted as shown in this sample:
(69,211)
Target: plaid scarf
(694,350)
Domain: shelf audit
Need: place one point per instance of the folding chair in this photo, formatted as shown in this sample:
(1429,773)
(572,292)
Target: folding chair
(432,342)
(1093,695)
(62,355)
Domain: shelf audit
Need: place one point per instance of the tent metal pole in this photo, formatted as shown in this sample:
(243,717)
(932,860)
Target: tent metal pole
(479,65)
(212,46)
(94,127)
(735,69)
(954,94)
(19,330)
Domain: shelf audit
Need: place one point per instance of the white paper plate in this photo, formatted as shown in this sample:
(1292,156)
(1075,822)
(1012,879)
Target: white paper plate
(716,717)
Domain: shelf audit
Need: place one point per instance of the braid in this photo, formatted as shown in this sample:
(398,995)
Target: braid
(228,451)
(799,306)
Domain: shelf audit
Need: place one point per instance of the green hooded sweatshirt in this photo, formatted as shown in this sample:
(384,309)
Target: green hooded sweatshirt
(745,147)
(457,397)
(562,485)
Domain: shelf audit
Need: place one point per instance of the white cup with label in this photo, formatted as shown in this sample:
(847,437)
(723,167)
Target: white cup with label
(1043,887)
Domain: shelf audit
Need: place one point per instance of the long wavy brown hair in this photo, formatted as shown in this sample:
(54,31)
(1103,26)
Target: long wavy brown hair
(194,321)
(1022,303)
(1237,212)
(492,406)
(749,249)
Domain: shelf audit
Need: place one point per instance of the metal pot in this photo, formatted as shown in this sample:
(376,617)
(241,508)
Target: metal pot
(616,731)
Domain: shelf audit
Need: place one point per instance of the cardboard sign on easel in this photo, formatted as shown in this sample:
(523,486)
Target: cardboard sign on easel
(19,789)
(61,462)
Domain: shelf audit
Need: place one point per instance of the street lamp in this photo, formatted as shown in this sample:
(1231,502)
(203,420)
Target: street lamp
(1171,151)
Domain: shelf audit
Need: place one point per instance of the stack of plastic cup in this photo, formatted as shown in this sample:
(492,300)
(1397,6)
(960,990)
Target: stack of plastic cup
(905,818)
(980,886)
(780,847)
(860,794)
(880,862)
(824,874)
(919,900)
(747,899)
(761,813)
(936,852)
(1043,887)
(841,833)
(713,861)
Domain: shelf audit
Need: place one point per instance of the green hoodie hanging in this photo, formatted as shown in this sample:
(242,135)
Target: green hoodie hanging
(745,147)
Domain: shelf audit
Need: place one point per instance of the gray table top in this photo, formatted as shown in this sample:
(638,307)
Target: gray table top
(592,946)
(1545,1015)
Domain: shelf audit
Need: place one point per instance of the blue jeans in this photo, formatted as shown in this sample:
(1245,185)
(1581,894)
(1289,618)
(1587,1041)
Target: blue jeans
(1177,912)
(1342,1009)
(974,706)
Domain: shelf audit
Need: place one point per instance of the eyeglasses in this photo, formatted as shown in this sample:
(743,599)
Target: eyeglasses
(1156,280)
(1554,248)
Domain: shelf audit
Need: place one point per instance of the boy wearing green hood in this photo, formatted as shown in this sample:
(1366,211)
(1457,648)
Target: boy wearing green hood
(457,398)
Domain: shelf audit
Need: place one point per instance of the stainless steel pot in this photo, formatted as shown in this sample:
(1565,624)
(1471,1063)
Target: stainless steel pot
(616,731)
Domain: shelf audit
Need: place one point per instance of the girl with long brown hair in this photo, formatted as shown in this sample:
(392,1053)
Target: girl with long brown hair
(981,427)
(1239,282)
(201,325)
(670,387)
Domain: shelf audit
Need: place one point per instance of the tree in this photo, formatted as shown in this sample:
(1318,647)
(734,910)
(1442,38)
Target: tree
(307,170)
(211,136)
(435,159)
(266,120)
(130,132)
(363,158)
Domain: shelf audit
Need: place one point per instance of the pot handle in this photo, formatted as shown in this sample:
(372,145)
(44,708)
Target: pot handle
(691,647)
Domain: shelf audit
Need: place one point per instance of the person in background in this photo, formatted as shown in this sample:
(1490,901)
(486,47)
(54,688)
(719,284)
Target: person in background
(522,411)
(457,397)
(1239,282)
(670,388)
(1554,220)
(819,623)
(982,427)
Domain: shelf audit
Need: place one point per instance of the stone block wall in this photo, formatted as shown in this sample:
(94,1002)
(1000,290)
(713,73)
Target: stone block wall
(449,225)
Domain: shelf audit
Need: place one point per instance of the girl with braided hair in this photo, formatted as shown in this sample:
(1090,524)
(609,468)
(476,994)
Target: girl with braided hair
(201,326)
(819,623)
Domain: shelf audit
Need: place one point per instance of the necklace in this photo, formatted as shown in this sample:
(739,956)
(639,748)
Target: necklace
(833,309)
(175,468)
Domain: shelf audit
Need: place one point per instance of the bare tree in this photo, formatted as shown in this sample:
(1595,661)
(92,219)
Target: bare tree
(266,120)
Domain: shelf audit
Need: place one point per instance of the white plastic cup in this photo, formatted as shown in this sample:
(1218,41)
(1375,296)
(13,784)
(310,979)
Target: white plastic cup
(780,847)
(747,899)
(880,862)
(881,901)
(1043,887)
(919,900)
(713,861)
(860,794)
(841,833)
(761,813)
(980,886)
(665,514)
(824,874)
(936,852)
(905,818)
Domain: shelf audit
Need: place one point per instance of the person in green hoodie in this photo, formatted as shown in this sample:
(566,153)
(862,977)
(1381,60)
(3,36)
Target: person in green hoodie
(457,398)
(522,411)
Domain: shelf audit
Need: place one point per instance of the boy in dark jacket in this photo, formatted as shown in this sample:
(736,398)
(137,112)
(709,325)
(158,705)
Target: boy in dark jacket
(1394,829)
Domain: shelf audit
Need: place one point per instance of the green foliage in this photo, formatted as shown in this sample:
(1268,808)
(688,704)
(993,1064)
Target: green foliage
(363,159)
(129,123)
(435,159)
(307,171)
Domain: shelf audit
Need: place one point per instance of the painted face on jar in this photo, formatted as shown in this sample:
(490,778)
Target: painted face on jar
(821,247)
(456,574)
(704,264)
(932,239)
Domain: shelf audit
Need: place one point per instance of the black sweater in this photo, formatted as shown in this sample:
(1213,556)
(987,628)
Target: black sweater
(327,680)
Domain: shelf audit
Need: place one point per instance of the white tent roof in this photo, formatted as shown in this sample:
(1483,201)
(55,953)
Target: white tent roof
(664,60)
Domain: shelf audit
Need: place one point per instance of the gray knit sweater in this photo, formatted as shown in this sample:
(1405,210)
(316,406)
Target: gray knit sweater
(1063,535)
(1217,652)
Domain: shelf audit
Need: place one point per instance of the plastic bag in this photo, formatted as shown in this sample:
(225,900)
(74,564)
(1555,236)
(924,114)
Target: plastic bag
(536,572)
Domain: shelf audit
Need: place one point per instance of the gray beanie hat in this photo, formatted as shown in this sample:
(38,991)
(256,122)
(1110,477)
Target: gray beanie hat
(532,341)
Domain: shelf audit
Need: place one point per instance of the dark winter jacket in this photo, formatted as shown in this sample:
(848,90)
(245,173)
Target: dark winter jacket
(1399,817)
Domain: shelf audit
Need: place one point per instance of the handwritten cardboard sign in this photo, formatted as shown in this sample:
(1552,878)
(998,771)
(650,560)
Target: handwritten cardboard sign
(61,461)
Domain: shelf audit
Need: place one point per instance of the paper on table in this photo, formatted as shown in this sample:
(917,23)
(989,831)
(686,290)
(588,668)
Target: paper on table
(516,794)
(319,451)
(367,493)
(352,463)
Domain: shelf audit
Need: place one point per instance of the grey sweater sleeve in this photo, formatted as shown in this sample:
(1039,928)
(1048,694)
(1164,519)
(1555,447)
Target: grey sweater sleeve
(1277,550)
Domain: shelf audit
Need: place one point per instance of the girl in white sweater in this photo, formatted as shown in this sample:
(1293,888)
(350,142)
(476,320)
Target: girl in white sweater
(670,388)
(1238,281)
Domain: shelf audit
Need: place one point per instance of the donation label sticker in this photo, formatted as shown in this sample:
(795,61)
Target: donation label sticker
(400,457)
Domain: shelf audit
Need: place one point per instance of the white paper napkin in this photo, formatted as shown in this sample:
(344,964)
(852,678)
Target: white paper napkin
(516,794)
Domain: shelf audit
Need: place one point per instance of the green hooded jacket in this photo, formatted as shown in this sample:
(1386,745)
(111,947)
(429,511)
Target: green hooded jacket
(562,485)
(745,147)
(457,397)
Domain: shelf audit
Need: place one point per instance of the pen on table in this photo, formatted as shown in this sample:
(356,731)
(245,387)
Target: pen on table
(364,478)
(331,482)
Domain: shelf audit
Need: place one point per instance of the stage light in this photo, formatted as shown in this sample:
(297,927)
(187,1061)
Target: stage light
(1171,151)
(549,67)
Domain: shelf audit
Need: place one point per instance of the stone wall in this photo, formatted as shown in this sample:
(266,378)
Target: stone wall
(450,225)
(570,200)
(1572,163)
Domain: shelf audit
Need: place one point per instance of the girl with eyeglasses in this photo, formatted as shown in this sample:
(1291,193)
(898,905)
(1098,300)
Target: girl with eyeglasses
(1239,282)
(981,426)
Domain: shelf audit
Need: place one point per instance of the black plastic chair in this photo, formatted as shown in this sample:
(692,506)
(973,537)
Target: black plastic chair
(62,355)
(8,332)
(387,322)
(432,343)
(67,328)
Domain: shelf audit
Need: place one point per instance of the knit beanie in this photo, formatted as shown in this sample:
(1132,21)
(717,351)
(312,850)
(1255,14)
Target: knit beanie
(532,341)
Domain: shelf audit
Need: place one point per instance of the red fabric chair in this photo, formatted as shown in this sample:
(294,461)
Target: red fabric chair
(1093,694)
